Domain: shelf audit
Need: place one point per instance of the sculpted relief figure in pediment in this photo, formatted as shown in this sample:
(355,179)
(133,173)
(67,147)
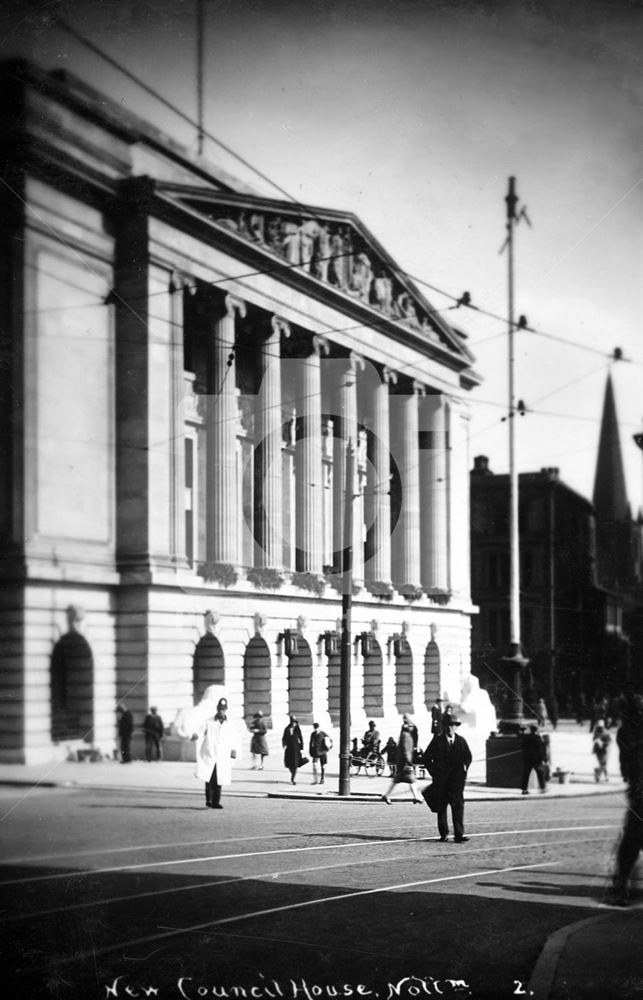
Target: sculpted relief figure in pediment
(383,290)
(334,253)
(362,278)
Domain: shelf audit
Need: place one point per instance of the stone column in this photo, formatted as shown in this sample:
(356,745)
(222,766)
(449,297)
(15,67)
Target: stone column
(179,283)
(405,539)
(457,429)
(344,414)
(433,493)
(268,479)
(223,502)
(308,460)
(377,501)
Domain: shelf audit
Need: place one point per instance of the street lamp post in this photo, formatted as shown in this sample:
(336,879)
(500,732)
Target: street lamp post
(347,599)
(504,749)
(515,662)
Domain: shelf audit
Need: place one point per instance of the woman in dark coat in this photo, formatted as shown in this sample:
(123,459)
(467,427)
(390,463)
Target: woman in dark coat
(404,770)
(293,743)
(259,742)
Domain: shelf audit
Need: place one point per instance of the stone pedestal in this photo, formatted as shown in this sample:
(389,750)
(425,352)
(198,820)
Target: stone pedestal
(504,761)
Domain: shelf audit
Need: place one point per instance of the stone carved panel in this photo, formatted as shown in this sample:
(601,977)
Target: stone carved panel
(336,254)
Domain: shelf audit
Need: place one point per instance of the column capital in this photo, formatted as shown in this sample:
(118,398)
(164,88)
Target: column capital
(234,304)
(280,327)
(179,282)
(356,362)
(320,344)
(389,376)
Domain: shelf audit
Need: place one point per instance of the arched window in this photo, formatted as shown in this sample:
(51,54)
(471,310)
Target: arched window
(300,682)
(373,677)
(257,695)
(208,665)
(403,675)
(431,673)
(72,688)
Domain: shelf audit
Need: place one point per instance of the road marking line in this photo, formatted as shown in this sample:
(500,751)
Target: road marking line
(177,932)
(262,876)
(283,850)
(353,831)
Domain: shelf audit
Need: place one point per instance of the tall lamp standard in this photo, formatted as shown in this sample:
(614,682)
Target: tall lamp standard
(347,601)
(503,749)
(514,661)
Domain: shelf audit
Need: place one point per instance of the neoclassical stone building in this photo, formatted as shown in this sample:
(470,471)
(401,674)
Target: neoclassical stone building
(185,366)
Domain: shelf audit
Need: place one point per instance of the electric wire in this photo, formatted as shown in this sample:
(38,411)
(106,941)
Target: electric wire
(463,300)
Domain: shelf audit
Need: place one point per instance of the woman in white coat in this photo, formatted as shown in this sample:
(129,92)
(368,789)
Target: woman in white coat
(216,748)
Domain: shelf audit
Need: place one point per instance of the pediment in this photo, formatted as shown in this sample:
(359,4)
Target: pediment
(332,247)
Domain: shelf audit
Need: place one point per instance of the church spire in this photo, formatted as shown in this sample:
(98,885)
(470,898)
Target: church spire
(610,496)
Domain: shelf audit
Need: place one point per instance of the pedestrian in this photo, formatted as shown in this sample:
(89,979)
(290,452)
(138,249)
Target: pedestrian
(447,715)
(598,712)
(553,711)
(153,729)
(293,743)
(390,752)
(630,743)
(447,759)
(216,749)
(534,758)
(600,746)
(259,741)
(404,769)
(371,740)
(436,717)
(125,724)
(318,747)
(612,716)
(412,728)
(541,709)
(582,711)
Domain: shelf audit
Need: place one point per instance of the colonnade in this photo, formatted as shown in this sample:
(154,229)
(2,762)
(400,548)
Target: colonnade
(400,535)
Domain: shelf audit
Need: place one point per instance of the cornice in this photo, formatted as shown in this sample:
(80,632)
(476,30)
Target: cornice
(169,210)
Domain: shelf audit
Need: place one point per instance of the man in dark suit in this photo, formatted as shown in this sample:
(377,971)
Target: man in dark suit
(447,759)
(630,744)
(436,717)
(534,757)
(125,723)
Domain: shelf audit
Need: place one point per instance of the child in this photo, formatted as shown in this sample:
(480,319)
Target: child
(600,747)
(389,752)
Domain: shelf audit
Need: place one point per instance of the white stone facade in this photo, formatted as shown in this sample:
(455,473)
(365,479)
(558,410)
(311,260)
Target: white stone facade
(185,364)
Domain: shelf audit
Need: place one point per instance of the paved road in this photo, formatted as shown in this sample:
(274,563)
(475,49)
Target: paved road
(130,894)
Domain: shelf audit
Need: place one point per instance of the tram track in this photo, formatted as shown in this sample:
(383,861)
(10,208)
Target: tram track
(215,882)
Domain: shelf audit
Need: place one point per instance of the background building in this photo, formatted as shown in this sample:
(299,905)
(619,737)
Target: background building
(619,535)
(184,366)
(580,579)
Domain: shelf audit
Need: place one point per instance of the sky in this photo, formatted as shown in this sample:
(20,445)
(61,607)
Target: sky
(413,114)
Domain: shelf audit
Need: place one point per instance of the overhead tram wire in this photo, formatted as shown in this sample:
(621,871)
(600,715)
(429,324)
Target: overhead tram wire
(614,356)
(62,23)
(462,300)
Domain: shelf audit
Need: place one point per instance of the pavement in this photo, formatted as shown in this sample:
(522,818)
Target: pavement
(598,957)
(177,777)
